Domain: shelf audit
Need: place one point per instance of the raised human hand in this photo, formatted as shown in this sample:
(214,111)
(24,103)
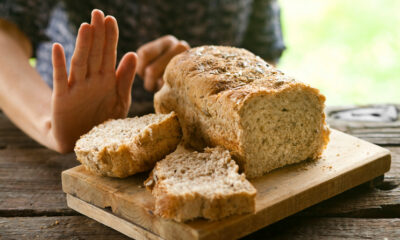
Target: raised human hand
(154,57)
(94,90)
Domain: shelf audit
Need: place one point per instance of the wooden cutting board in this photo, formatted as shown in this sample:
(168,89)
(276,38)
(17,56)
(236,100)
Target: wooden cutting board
(126,206)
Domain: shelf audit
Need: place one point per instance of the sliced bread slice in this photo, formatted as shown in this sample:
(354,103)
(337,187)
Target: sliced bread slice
(120,148)
(188,185)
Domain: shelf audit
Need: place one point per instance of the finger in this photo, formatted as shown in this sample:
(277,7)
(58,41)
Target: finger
(111,41)
(125,74)
(79,59)
(150,51)
(60,78)
(155,70)
(96,52)
(184,43)
(160,83)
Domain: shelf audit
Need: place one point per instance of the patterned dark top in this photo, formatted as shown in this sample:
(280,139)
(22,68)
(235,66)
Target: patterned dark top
(252,24)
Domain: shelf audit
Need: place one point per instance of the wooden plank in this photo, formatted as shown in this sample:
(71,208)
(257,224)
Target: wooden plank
(30,186)
(109,219)
(394,172)
(59,227)
(380,201)
(330,228)
(359,202)
(383,140)
(347,162)
(384,130)
(12,137)
(384,114)
(80,227)
(30,182)
(292,228)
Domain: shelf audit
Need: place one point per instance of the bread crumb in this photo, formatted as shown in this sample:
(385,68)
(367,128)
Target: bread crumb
(55,223)
(302,167)
(337,155)
(327,167)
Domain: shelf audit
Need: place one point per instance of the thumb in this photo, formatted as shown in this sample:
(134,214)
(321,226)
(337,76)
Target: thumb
(125,74)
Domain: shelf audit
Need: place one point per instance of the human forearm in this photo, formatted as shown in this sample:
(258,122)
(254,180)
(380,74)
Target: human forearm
(93,91)
(24,97)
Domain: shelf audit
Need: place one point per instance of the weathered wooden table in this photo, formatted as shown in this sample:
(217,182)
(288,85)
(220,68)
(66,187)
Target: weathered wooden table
(33,206)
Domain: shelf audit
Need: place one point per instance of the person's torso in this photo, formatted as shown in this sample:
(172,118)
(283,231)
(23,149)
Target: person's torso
(219,22)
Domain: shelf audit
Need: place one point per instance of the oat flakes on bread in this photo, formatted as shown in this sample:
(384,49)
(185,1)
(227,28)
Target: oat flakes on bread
(230,97)
(189,185)
(123,147)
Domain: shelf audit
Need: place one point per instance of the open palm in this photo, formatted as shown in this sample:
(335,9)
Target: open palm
(94,90)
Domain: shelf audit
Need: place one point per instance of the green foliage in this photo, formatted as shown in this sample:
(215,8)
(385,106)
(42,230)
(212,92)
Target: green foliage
(350,50)
(32,62)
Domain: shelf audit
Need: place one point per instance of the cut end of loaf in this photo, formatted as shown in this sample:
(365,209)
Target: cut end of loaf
(122,147)
(189,185)
(114,133)
(283,128)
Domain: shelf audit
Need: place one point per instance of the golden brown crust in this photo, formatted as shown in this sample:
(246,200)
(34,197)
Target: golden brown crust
(175,207)
(208,88)
(211,204)
(140,155)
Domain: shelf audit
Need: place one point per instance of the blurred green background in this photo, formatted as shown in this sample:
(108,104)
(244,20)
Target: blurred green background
(349,49)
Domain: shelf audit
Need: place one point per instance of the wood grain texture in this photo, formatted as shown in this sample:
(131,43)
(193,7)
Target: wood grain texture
(12,137)
(356,121)
(107,218)
(380,201)
(330,228)
(81,227)
(31,199)
(347,162)
(25,169)
(20,173)
(30,182)
(58,227)
(359,202)
(394,172)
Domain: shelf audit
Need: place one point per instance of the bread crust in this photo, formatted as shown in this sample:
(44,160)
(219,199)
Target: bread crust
(209,88)
(141,154)
(193,204)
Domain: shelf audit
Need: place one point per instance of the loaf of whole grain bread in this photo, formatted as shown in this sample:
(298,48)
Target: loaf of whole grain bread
(120,148)
(188,185)
(230,97)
